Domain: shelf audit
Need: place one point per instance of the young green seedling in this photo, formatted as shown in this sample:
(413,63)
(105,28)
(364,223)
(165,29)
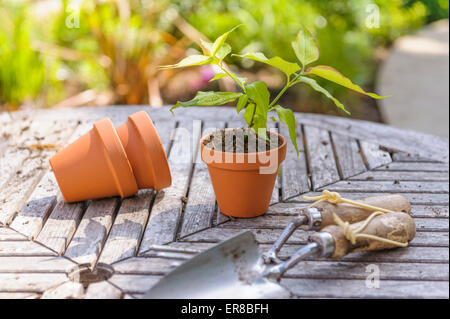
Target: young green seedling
(255,97)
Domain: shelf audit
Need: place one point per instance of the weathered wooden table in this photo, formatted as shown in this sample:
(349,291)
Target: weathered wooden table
(45,244)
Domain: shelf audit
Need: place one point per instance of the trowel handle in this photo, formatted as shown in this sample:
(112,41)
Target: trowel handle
(395,227)
(354,214)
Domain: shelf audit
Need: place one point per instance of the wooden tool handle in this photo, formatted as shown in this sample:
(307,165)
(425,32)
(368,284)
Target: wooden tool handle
(354,214)
(397,227)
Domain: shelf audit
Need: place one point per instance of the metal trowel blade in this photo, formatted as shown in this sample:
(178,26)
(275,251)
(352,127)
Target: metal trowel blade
(231,269)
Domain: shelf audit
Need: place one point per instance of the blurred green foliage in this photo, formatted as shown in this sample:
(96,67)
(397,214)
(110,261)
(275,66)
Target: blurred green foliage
(22,72)
(118,43)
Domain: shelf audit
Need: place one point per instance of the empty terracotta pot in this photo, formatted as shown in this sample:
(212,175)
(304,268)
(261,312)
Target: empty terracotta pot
(94,166)
(243,182)
(145,151)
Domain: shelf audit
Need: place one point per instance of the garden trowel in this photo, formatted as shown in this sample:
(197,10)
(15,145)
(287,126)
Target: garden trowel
(235,268)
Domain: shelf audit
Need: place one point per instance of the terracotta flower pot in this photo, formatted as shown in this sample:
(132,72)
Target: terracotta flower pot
(243,182)
(94,166)
(145,151)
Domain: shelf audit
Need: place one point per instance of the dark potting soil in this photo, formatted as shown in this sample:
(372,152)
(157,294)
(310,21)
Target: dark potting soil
(241,140)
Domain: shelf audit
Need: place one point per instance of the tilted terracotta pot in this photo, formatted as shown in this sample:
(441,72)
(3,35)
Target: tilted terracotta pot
(243,183)
(145,151)
(94,166)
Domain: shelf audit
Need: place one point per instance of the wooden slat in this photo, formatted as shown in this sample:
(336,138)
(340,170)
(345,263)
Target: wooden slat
(402,176)
(35,212)
(294,172)
(134,283)
(90,236)
(23,248)
(32,167)
(146,266)
(30,282)
(281,221)
(9,234)
(327,288)
(415,166)
(61,225)
(390,186)
(374,155)
(269,236)
(30,220)
(67,290)
(201,201)
(12,153)
(126,232)
(425,145)
(429,211)
(408,157)
(409,254)
(166,211)
(263,236)
(352,270)
(102,290)
(271,126)
(320,157)
(350,161)
(34,264)
(413,198)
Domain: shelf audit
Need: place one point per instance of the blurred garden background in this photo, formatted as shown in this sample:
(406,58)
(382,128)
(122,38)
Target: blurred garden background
(61,53)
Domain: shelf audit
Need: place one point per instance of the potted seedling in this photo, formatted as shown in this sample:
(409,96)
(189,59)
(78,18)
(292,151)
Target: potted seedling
(243,163)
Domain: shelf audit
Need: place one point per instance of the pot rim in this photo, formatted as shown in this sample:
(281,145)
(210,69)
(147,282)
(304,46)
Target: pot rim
(154,149)
(117,159)
(245,165)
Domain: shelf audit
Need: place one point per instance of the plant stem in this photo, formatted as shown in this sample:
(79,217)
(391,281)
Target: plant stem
(288,83)
(231,75)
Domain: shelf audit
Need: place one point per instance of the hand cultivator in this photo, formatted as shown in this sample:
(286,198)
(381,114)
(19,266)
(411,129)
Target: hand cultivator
(237,269)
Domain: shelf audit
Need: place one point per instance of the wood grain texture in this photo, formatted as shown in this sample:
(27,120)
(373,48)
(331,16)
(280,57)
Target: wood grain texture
(23,248)
(415,166)
(34,264)
(201,201)
(10,234)
(61,225)
(374,155)
(30,282)
(126,232)
(294,172)
(32,165)
(328,288)
(320,157)
(102,290)
(91,234)
(350,161)
(379,175)
(391,186)
(419,172)
(165,216)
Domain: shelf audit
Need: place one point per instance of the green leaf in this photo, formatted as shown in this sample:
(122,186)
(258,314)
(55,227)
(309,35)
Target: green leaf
(191,60)
(248,114)
(260,122)
(312,83)
(242,102)
(287,67)
(305,47)
(218,76)
(209,98)
(220,41)
(224,50)
(333,75)
(273,119)
(258,93)
(287,117)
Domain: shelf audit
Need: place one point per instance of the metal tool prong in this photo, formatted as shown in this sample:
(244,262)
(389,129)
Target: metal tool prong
(271,256)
